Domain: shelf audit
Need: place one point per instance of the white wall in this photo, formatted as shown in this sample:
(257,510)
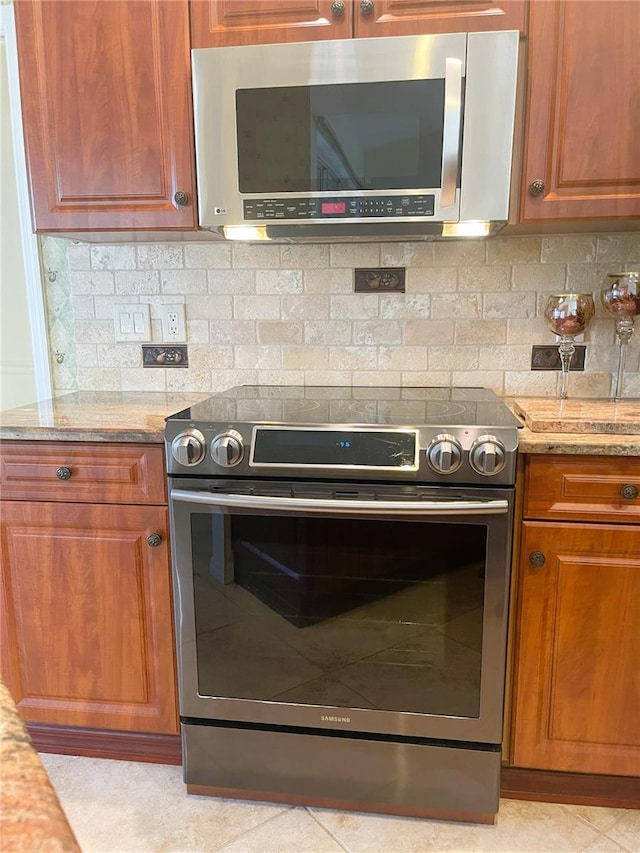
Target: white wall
(17,380)
(25,374)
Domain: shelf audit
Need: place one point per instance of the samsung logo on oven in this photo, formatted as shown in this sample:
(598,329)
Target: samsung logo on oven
(326,719)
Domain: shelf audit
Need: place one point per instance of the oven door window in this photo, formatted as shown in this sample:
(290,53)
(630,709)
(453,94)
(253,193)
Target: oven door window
(350,613)
(357,136)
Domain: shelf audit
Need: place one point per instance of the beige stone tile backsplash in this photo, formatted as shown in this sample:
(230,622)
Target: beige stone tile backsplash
(287,314)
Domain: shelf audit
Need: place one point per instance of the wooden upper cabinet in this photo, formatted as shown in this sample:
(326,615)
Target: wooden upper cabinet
(222,23)
(583,112)
(414,17)
(106,101)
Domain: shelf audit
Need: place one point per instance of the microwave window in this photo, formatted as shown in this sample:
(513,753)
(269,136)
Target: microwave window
(360,136)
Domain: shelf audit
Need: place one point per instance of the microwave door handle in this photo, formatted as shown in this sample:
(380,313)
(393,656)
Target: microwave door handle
(451,130)
(311,505)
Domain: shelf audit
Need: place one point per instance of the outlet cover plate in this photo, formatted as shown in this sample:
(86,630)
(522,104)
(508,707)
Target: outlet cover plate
(174,326)
(379,280)
(548,358)
(165,356)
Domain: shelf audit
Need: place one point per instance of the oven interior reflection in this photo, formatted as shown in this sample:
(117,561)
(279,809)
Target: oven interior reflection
(348,613)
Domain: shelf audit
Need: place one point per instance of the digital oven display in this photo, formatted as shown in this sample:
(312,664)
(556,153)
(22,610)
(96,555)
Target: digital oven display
(335,448)
(329,208)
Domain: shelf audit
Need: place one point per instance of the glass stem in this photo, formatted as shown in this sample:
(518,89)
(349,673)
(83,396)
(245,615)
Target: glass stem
(624,330)
(566,350)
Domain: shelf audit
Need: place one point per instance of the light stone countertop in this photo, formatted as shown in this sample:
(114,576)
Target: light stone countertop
(96,416)
(587,426)
(139,417)
(579,415)
(31,817)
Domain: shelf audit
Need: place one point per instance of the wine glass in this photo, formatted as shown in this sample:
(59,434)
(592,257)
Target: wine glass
(568,315)
(621,297)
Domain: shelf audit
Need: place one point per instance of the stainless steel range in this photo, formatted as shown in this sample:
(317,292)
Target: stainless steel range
(341,566)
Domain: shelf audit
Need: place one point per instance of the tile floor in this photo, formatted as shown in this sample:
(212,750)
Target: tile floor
(126,806)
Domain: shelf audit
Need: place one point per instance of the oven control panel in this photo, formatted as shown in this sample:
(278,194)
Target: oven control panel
(370,448)
(340,207)
(425,455)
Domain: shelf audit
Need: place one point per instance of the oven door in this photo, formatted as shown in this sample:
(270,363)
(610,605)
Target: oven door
(355,607)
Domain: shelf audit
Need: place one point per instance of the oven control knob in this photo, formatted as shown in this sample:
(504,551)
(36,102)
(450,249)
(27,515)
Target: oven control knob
(487,455)
(227,448)
(444,454)
(189,447)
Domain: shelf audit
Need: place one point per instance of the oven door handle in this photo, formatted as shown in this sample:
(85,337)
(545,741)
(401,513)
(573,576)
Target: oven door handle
(307,505)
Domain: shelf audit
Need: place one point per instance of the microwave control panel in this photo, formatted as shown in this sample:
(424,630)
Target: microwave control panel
(369,207)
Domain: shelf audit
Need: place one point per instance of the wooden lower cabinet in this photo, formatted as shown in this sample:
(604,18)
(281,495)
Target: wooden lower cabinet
(577,658)
(86,615)
(86,627)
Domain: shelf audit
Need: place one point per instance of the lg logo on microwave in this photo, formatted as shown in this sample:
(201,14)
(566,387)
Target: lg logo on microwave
(326,719)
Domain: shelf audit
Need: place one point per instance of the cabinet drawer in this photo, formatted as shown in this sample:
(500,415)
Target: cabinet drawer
(583,488)
(82,472)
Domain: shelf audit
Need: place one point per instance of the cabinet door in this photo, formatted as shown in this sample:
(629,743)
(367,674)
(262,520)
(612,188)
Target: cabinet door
(106,102)
(86,615)
(583,114)
(414,17)
(577,690)
(221,23)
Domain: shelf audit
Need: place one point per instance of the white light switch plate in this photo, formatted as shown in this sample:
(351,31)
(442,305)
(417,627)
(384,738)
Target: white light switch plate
(132,322)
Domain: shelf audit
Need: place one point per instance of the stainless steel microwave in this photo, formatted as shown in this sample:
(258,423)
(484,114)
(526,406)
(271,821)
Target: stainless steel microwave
(409,136)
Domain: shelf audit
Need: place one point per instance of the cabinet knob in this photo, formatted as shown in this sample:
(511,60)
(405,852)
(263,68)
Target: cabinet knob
(63,473)
(154,539)
(537,559)
(337,8)
(629,491)
(366,7)
(181,198)
(537,187)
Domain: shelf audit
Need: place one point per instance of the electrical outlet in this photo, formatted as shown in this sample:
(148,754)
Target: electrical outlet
(174,326)
(379,280)
(176,356)
(548,358)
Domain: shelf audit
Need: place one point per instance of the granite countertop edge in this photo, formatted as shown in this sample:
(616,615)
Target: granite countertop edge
(124,417)
(130,417)
(31,815)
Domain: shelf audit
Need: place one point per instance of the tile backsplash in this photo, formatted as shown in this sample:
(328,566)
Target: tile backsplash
(288,314)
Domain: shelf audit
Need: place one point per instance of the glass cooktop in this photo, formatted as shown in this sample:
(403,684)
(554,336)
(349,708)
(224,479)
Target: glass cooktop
(353,405)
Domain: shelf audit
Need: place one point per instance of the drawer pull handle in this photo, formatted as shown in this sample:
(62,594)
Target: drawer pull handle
(537,559)
(154,539)
(63,473)
(629,491)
